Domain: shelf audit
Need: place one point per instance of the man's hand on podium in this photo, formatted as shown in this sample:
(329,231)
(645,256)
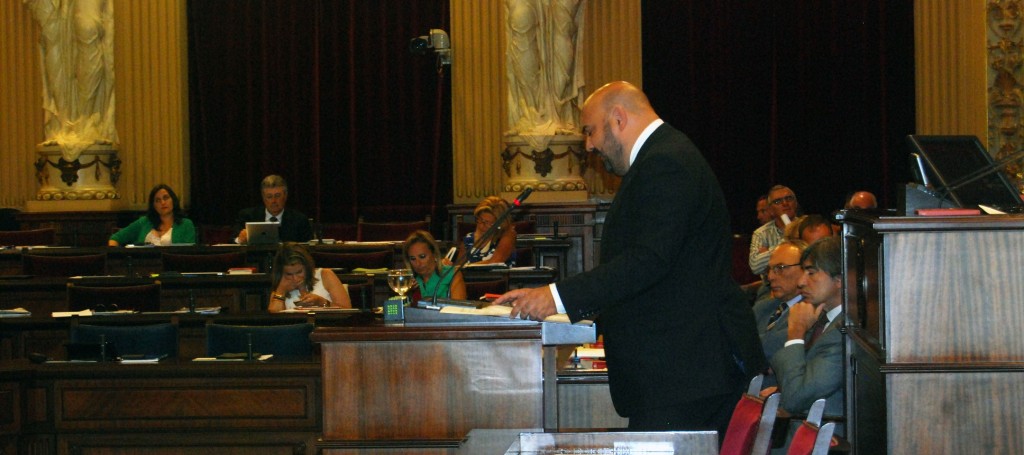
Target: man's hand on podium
(533,304)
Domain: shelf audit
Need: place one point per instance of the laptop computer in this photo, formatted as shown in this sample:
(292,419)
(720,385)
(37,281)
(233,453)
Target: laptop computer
(959,168)
(263,232)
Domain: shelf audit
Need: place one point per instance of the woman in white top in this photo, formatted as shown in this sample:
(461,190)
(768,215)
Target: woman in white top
(293,286)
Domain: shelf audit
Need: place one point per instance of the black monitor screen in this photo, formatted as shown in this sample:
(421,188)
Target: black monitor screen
(952,160)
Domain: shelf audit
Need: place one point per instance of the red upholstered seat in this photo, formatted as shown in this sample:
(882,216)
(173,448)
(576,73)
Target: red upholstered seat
(377,232)
(45,236)
(812,438)
(750,427)
(350,261)
(61,266)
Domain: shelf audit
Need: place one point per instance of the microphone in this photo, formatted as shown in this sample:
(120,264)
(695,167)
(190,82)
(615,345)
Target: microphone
(522,197)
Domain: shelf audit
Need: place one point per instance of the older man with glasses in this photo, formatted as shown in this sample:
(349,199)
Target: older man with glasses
(783,207)
(771,312)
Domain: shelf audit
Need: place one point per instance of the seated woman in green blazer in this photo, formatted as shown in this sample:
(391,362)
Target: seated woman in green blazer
(163,223)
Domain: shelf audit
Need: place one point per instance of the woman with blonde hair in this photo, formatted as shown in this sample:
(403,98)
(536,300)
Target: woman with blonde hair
(490,251)
(423,257)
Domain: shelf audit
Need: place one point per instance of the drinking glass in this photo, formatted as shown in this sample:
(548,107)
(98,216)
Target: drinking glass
(400,281)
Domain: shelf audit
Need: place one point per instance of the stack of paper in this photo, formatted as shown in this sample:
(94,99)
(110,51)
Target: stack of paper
(15,313)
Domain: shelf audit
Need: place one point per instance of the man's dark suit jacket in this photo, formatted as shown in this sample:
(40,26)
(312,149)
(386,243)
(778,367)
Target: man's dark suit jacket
(676,325)
(294,224)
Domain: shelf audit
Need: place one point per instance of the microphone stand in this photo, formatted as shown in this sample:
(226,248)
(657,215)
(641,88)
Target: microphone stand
(488,235)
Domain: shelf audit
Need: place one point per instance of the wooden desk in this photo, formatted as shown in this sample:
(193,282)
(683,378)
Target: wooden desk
(175,407)
(391,389)
(443,380)
(935,333)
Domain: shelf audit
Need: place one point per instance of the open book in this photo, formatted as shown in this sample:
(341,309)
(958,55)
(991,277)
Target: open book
(500,311)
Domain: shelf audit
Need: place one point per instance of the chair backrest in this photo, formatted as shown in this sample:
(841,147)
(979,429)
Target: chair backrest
(149,339)
(61,266)
(361,294)
(525,226)
(283,340)
(477,289)
(214,234)
(740,259)
(185,263)
(750,428)
(812,438)
(45,236)
(377,232)
(350,261)
(142,297)
(9,219)
(340,231)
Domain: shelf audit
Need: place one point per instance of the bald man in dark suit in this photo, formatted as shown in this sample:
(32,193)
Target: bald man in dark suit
(680,338)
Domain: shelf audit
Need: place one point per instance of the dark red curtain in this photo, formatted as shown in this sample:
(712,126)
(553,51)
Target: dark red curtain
(326,94)
(816,95)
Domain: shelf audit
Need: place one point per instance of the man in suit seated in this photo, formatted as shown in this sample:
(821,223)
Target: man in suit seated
(771,312)
(295,226)
(810,364)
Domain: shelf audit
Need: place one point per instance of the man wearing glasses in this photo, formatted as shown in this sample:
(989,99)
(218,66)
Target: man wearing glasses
(771,312)
(810,364)
(781,204)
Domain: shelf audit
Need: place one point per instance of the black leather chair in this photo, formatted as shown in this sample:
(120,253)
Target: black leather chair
(142,297)
(149,339)
(187,263)
(360,292)
(283,340)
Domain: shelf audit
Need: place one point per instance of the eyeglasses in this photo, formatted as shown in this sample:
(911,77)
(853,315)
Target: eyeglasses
(779,268)
(780,200)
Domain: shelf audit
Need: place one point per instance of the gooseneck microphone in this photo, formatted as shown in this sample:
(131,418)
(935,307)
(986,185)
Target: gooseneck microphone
(522,197)
(484,239)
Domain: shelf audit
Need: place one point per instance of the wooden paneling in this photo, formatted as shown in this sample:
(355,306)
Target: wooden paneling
(952,413)
(587,405)
(936,355)
(957,284)
(187,403)
(430,389)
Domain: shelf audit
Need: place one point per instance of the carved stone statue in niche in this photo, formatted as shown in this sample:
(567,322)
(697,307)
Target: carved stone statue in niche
(76,49)
(545,88)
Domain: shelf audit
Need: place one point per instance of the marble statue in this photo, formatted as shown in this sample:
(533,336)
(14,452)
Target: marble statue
(543,67)
(77,50)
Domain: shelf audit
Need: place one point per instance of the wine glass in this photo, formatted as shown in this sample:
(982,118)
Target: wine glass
(400,281)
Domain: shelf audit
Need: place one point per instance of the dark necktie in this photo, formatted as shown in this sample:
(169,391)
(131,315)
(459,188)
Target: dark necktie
(816,329)
(273,219)
(778,313)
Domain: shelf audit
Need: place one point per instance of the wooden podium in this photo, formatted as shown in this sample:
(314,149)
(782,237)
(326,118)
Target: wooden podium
(422,387)
(935,330)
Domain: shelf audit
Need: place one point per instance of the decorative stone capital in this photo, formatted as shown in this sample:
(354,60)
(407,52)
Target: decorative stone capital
(91,176)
